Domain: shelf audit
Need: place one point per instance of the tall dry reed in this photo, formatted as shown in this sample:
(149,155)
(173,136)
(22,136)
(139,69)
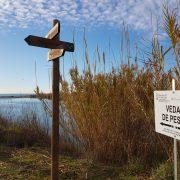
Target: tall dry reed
(114,111)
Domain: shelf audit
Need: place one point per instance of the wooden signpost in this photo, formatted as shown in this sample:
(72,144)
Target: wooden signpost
(58,49)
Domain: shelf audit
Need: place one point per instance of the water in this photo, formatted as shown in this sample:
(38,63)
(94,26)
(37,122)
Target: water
(15,108)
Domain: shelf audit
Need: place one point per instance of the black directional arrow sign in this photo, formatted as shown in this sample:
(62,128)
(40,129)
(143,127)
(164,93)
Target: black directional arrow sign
(164,124)
(49,43)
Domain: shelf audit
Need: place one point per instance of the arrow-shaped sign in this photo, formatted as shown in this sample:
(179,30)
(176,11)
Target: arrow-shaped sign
(49,43)
(55,53)
(53,32)
(164,124)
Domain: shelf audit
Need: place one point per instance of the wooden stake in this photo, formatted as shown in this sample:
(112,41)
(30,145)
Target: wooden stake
(55,115)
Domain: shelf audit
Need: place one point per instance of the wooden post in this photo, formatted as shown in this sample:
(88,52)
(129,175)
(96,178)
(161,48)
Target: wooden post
(55,115)
(58,49)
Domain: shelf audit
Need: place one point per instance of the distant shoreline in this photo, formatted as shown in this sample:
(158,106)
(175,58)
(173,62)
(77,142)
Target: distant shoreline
(17,96)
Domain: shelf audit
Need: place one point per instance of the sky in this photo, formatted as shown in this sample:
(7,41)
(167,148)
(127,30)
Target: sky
(102,21)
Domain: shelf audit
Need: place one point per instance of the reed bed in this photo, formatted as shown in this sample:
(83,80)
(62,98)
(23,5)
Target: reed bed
(115,116)
(114,110)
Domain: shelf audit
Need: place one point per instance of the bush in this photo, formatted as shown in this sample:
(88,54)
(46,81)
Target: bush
(164,171)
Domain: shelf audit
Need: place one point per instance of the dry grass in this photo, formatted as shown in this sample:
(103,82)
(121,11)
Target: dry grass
(27,131)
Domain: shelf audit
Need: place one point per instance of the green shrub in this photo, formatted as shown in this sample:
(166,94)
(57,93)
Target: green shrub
(163,172)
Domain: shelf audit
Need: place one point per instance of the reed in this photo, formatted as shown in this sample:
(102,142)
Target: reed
(114,111)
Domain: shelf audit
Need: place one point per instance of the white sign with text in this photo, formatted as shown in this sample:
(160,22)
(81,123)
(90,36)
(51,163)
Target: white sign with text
(167,113)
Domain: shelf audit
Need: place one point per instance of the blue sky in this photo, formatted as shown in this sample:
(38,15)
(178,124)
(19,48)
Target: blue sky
(102,20)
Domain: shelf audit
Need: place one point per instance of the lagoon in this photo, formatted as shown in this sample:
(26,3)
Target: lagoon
(15,108)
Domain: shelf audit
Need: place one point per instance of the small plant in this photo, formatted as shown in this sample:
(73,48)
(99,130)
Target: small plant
(135,167)
(164,171)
